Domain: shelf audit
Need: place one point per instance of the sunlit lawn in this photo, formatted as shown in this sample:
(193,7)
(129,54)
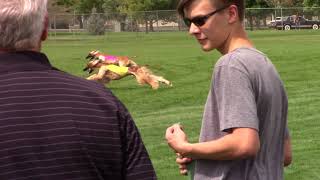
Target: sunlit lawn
(177,57)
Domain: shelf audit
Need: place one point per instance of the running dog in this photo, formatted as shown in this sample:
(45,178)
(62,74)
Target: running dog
(111,59)
(109,72)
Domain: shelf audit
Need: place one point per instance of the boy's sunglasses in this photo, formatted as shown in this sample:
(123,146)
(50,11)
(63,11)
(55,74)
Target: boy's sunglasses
(201,20)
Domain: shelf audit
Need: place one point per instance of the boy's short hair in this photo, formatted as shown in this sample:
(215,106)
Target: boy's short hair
(218,3)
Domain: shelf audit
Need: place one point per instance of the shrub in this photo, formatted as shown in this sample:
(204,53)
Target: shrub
(96,23)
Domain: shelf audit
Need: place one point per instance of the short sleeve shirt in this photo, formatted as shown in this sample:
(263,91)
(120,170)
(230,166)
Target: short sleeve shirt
(246,92)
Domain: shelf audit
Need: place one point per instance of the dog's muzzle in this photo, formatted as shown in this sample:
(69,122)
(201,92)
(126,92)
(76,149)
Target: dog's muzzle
(87,68)
(90,56)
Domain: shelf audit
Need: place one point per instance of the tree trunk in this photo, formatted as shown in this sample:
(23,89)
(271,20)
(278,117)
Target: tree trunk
(251,22)
(147,28)
(257,22)
(80,18)
(151,26)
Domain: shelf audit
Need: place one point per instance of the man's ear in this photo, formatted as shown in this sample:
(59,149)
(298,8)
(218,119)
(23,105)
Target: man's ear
(45,30)
(233,14)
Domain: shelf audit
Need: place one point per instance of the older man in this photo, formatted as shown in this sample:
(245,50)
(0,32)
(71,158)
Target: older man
(54,125)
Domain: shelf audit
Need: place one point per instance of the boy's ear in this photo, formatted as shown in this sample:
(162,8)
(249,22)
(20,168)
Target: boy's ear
(233,13)
(45,30)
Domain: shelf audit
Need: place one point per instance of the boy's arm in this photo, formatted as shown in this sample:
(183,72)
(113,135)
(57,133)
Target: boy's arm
(239,143)
(287,152)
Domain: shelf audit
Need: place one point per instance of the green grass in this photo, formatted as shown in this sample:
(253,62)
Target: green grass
(178,57)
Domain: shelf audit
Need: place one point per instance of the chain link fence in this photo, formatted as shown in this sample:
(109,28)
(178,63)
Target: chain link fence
(167,20)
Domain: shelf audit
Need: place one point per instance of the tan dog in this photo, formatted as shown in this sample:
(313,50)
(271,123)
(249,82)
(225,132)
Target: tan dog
(111,59)
(108,72)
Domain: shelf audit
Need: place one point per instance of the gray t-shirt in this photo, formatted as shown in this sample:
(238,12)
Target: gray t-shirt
(246,92)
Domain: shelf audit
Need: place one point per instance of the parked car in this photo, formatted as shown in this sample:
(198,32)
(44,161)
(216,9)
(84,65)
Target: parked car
(272,23)
(295,22)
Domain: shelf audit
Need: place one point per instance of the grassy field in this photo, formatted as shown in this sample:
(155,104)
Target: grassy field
(177,57)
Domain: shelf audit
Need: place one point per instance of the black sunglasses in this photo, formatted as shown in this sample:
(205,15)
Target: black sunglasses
(201,20)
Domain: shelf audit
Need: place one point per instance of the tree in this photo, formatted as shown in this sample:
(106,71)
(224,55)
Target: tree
(65,2)
(140,10)
(255,15)
(113,10)
(311,3)
(286,3)
(82,6)
(96,23)
(122,9)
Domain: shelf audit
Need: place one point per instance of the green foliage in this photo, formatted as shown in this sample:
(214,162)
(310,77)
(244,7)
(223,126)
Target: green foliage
(254,15)
(82,6)
(85,6)
(119,9)
(67,3)
(96,23)
(118,6)
(112,6)
(129,6)
(177,57)
(311,3)
(285,3)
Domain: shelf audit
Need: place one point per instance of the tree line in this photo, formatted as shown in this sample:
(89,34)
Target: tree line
(123,7)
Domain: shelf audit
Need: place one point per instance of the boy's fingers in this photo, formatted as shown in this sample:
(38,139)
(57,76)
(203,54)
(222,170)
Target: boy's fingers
(184,172)
(182,166)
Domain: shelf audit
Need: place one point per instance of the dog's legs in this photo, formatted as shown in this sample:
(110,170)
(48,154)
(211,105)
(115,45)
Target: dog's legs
(102,71)
(100,75)
(95,77)
(92,77)
(143,78)
(153,83)
(132,63)
(139,78)
(105,80)
(161,79)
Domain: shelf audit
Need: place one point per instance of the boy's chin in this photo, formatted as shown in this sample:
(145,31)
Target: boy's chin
(206,48)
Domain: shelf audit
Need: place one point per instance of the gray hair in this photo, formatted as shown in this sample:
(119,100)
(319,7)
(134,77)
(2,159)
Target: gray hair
(21,23)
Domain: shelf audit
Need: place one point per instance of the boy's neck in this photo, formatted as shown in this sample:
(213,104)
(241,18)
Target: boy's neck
(237,38)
